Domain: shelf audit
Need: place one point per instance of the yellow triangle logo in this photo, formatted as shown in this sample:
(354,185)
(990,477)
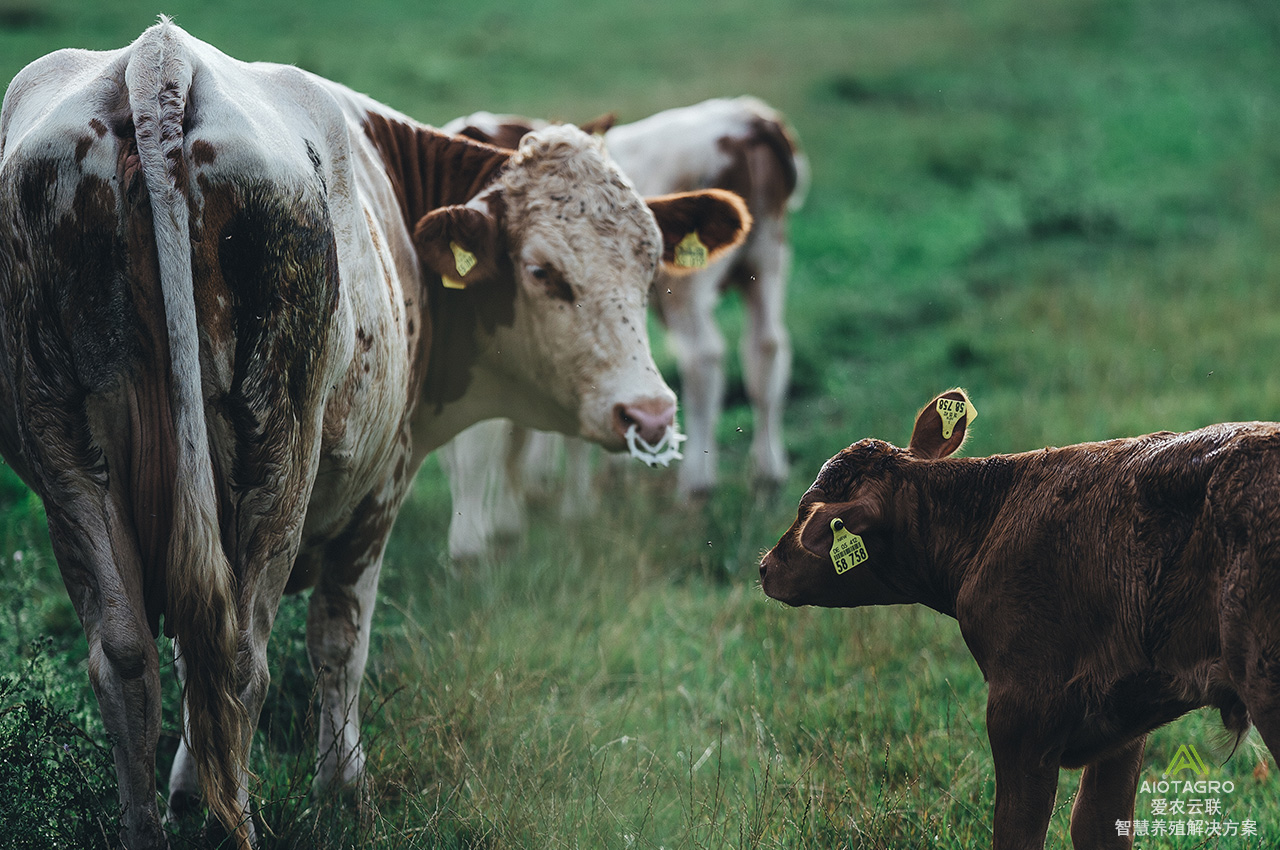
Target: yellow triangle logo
(1186,758)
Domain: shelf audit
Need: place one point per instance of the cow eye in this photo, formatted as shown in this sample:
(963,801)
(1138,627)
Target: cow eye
(551,281)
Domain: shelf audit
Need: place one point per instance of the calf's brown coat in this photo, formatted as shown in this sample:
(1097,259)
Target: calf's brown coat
(1104,589)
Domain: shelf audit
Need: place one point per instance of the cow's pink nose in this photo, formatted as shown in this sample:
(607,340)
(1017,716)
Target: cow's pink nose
(651,416)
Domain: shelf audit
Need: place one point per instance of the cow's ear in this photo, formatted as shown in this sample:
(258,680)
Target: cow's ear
(817,534)
(697,227)
(599,126)
(459,245)
(942,425)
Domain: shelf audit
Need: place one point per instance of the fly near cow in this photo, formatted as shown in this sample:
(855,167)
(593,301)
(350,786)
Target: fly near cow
(239,304)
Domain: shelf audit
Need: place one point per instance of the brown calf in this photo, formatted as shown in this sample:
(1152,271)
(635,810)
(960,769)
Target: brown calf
(1104,589)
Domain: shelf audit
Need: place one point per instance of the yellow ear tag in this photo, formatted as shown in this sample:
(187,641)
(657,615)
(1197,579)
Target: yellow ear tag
(463,260)
(691,253)
(952,411)
(847,550)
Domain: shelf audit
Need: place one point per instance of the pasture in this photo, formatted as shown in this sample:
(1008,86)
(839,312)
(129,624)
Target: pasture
(1069,207)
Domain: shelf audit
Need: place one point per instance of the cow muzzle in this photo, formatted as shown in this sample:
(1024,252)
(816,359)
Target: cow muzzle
(648,429)
(651,418)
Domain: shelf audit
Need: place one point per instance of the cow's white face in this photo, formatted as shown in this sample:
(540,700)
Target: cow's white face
(582,248)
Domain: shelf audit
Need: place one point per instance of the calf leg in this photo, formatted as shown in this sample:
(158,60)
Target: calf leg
(1026,777)
(576,501)
(766,349)
(1106,795)
(1251,639)
(699,348)
(484,501)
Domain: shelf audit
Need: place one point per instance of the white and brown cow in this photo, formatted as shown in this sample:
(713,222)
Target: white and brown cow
(238,305)
(740,144)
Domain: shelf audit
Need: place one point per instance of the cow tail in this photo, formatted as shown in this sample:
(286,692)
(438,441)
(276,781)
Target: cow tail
(201,606)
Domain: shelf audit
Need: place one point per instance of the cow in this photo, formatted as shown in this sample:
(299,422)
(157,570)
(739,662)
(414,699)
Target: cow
(239,304)
(1104,589)
(740,144)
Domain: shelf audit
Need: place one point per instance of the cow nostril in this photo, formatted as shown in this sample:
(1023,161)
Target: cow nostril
(651,418)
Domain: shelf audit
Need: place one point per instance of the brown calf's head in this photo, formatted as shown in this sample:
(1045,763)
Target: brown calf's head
(841,550)
(583,249)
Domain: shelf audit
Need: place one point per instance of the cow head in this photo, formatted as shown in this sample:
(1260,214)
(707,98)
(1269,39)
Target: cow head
(582,248)
(842,550)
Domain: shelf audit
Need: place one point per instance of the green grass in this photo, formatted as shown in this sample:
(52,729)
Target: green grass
(1069,207)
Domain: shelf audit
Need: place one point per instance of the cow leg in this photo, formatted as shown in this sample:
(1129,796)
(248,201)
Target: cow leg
(103,582)
(484,502)
(1026,777)
(338,623)
(766,349)
(699,348)
(1107,791)
(1251,644)
(576,502)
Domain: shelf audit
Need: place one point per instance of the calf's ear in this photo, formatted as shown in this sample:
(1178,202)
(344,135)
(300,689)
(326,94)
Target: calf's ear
(942,425)
(459,245)
(600,125)
(858,516)
(697,227)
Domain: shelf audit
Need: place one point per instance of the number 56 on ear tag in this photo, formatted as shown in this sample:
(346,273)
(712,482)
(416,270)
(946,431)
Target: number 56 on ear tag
(847,550)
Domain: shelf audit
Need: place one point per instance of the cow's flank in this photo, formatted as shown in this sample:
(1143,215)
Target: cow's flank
(1104,589)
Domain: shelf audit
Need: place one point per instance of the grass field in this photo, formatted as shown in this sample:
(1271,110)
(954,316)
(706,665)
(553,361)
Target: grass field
(1070,207)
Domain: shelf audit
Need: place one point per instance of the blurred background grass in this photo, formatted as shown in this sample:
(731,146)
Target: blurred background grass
(1071,208)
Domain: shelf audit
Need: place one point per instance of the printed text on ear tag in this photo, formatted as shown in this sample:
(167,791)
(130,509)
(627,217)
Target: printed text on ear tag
(463,260)
(847,550)
(952,411)
(691,253)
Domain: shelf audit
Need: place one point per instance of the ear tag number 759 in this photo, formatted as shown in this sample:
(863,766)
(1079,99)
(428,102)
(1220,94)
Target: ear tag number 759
(847,550)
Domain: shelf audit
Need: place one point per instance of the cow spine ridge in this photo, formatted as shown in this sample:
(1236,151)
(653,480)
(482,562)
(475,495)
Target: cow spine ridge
(201,604)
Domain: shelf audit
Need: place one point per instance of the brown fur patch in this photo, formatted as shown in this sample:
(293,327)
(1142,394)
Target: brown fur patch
(429,169)
(82,148)
(202,152)
(762,167)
